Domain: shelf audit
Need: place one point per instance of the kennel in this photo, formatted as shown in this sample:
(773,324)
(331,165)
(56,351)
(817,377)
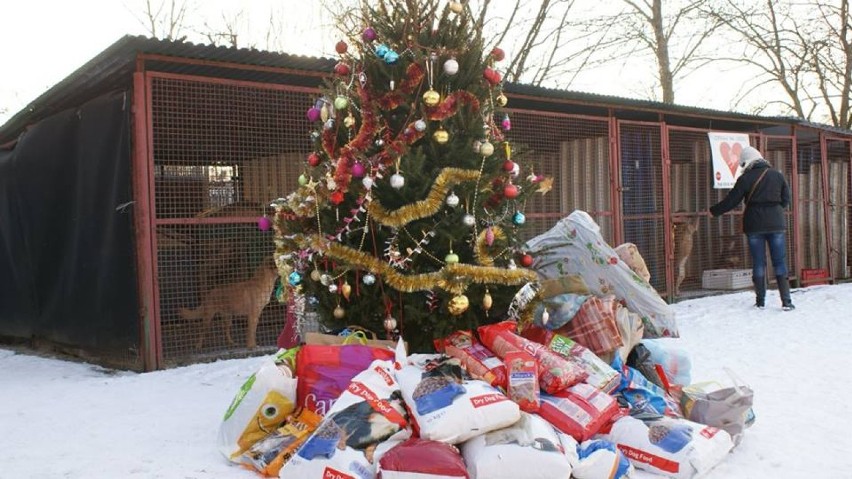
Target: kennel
(134,186)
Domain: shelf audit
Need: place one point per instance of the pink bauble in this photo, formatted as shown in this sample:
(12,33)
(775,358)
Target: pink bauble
(314,113)
(369,34)
(264,223)
(358,170)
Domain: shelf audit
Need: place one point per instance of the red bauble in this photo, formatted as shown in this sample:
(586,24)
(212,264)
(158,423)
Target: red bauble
(498,54)
(510,191)
(526,260)
(336,197)
(341,69)
(508,166)
(341,47)
(491,76)
(314,159)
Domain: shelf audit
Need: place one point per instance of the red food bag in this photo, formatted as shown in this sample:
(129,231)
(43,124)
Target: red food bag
(522,386)
(324,372)
(475,358)
(424,459)
(555,372)
(580,412)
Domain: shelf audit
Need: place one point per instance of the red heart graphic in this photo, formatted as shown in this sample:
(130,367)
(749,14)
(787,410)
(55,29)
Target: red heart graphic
(731,155)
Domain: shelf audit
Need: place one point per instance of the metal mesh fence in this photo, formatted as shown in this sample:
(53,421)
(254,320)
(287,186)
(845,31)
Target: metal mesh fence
(221,152)
(840,201)
(811,208)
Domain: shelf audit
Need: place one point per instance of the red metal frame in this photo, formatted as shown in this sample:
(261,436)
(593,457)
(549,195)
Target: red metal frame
(826,203)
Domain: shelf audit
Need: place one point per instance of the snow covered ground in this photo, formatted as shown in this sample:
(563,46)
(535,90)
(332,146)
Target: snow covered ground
(71,420)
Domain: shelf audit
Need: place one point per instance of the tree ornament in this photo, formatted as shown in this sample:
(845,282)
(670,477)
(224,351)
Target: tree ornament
(506,123)
(329,124)
(489,236)
(326,112)
(456,7)
(367,182)
(519,218)
(487,300)
(516,170)
(316,275)
(295,278)
(458,305)
(332,288)
(341,47)
(501,100)
(510,191)
(379,142)
(369,279)
(339,312)
(526,260)
(315,135)
(264,223)
(420,125)
(391,57)
(491,76)
(451,66)
(452,200)
(349,121)
(382,50)
(397,181)
(441,136)
(336,197)
(346,290)
(477,145)
(325,279)
(508,166)
(358,170)
(303,180)
(341,103)
(342,69)
(368,34)
(390,324)
(498,54)
(314,159)
(486,149)
(313,114)
(469,220)
(431,97)
(451,258)
(512,264)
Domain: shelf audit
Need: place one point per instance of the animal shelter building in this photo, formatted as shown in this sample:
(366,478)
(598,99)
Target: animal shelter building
(132,189)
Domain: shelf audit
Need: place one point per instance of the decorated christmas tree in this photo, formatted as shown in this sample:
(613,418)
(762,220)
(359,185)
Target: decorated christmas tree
(407,218)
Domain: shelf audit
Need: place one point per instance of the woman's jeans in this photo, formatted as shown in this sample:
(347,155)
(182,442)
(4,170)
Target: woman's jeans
(777,251)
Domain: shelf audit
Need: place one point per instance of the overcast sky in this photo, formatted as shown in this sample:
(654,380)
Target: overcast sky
(43,41)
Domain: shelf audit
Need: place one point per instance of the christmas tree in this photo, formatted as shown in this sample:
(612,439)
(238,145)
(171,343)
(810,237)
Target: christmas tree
(407,216)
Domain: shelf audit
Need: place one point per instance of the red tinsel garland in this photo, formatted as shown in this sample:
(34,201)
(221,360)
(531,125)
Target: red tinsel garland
(450,106)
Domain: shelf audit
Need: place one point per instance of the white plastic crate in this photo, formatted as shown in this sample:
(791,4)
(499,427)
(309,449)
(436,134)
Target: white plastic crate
(726,279)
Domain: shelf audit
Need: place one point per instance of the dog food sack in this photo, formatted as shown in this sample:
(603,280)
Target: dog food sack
(476,359)
(555,373)
(672,447)
(446,405)
(523,380)
(422,459)
(368,413)
(601,374)
(325,371)
(601,459)
(580,412)
(270,453)
(262,404)
(529,449)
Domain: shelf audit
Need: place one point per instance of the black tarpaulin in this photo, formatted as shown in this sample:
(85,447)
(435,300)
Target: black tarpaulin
(67,260)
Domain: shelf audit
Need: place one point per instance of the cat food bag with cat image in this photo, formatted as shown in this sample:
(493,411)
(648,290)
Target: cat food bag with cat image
(476,359)
(672,447)
(529,449)
(446,404)
(268,455)
(419,458)
(555,373)
(523,380)
(261,405)
(368,419)
(580,412)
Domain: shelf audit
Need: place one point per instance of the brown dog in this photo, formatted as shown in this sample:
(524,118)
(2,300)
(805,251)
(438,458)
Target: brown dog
(244,298)
(683,240)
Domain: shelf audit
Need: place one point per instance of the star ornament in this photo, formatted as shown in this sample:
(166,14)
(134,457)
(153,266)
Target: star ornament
(545,185)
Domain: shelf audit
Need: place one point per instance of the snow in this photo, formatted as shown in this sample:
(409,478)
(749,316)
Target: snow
(72,420)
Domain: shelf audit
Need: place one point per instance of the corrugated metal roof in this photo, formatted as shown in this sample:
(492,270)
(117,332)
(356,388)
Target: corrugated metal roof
(112,69)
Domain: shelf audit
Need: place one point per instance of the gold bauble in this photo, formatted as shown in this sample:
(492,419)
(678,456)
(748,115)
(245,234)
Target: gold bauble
(339,313)
(458,305)
(346,290)
(441,136)
(349,121)
(487,301)
(316,275)
(431,97)
(486,149)
(502,100)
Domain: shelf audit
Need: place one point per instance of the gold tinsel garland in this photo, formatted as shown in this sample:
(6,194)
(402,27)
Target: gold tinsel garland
(426,207)
(452,278)
(481,249)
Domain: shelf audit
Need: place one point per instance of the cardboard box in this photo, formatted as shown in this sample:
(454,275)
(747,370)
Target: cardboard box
(726,279)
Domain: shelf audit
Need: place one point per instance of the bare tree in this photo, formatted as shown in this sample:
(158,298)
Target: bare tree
(805,49)
(164,18)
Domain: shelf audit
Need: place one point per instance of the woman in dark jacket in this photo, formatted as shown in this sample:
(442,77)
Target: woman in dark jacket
(765,194)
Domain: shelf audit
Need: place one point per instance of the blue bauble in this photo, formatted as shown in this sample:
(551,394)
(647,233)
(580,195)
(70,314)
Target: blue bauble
(391,57)
(382,50)
(519,218)
(295,278)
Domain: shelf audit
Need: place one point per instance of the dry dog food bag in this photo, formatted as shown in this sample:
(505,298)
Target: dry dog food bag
(446,404)
(422,459)
(261,405)
(477,360)
(366,420)
(523,380)
(601,459)
(580,412)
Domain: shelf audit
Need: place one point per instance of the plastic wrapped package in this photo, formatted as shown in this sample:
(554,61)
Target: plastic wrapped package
(476,359)
(422,459)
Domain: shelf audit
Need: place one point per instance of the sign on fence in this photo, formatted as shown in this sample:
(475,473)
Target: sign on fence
(725,149)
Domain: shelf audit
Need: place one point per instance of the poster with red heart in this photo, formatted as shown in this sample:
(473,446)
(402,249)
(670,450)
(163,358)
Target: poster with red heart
(725,149)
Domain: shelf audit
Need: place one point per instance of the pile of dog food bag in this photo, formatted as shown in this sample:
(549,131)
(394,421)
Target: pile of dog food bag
(582,391)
